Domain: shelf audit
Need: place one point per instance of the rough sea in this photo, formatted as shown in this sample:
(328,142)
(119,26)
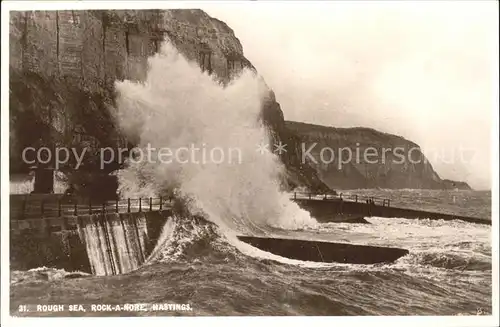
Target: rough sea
(448,271)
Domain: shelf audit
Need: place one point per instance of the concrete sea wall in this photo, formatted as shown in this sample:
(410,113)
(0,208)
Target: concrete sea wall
(101,244)
(337,210)
(116,243)
(326,251)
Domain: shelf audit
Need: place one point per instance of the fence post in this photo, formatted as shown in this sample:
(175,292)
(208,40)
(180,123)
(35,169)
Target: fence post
(116,206)
(341,196)
(24,208)
(388,202)
(75,210)
(103,208)
(309,195)
(161,203)
(140,204)
(356,198)
(295,195)
(90,207)
(59,208)
(128,205)
(150,204)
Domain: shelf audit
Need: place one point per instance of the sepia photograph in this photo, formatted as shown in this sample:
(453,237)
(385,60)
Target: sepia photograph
(329,160)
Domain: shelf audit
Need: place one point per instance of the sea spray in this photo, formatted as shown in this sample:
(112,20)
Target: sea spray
(178,107)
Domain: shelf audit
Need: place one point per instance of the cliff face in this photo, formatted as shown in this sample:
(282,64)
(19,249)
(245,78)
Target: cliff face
(63,65)
(366,158)
(96,47)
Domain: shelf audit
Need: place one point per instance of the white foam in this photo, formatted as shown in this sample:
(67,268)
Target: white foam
(179,106)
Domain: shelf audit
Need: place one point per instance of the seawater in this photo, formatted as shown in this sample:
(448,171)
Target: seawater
(447,272)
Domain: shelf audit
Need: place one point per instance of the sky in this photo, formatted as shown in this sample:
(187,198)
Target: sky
(426,71)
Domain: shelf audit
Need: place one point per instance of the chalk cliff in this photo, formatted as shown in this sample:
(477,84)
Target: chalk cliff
(63,65)
(366,158)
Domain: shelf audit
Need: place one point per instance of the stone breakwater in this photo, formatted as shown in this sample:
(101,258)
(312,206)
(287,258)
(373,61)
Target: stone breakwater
(100,244)
(337,210)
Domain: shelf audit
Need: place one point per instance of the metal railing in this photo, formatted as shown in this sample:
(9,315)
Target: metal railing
(32,208)
(59,207)
(342,197)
